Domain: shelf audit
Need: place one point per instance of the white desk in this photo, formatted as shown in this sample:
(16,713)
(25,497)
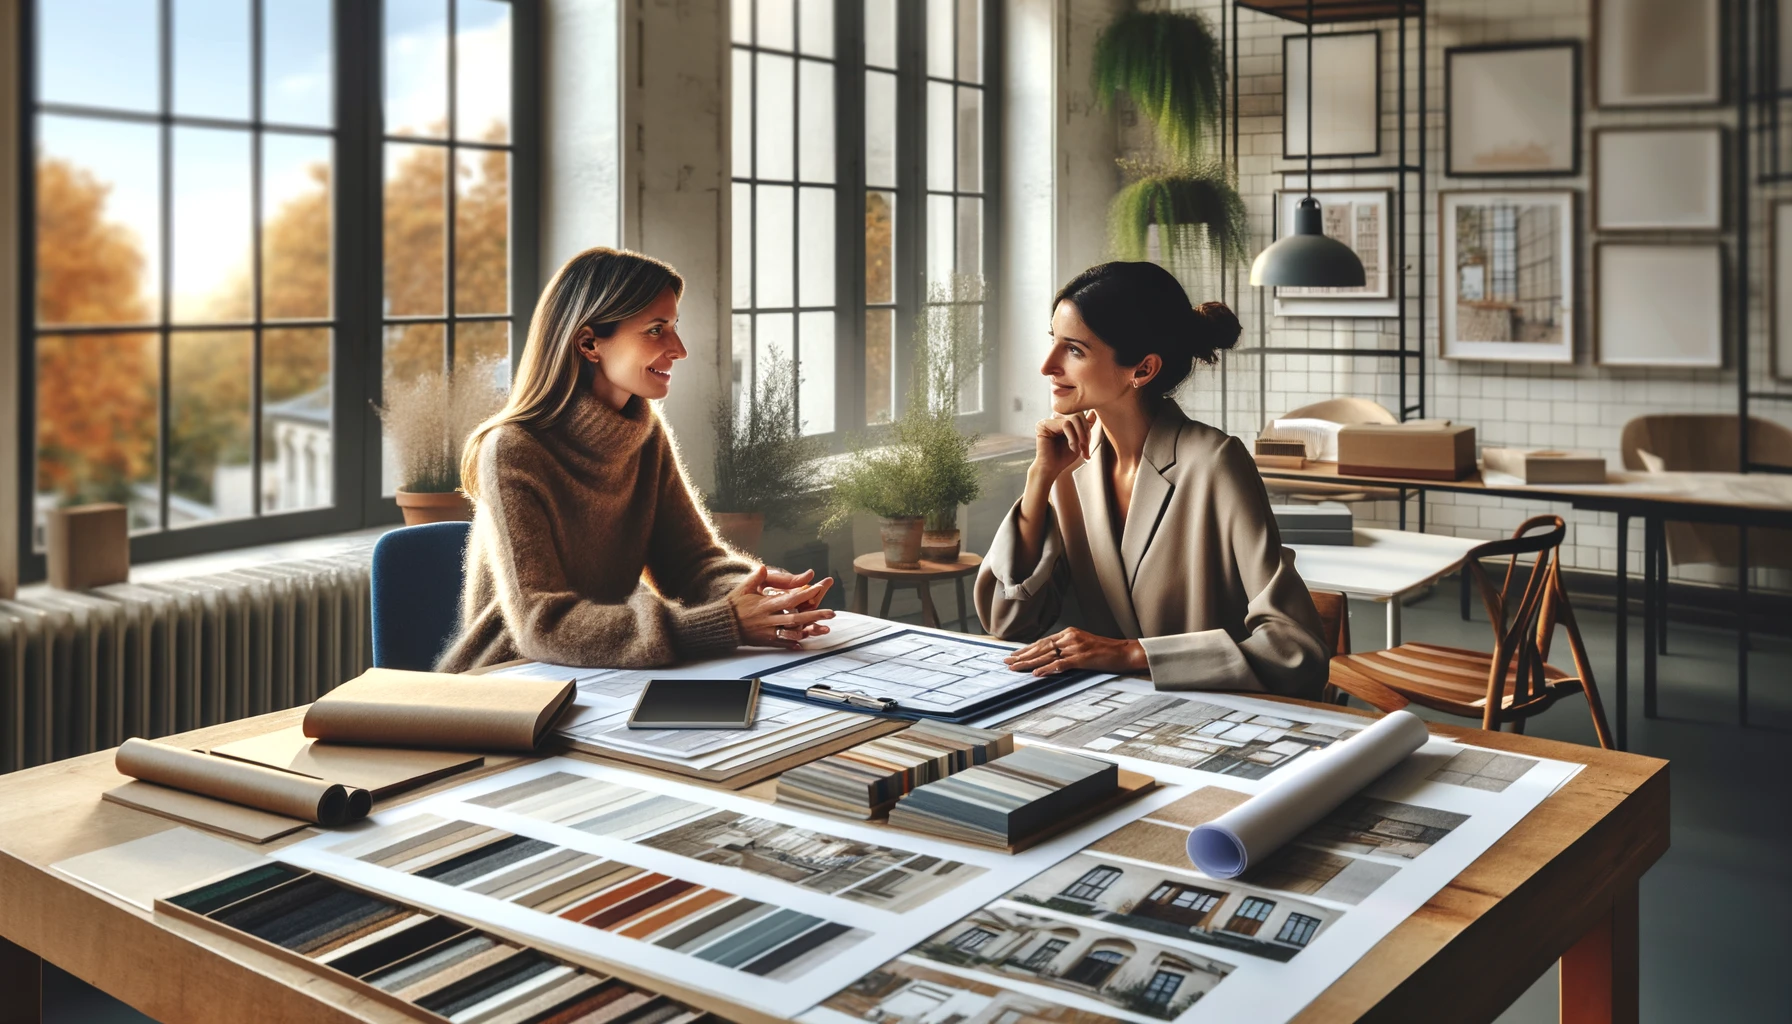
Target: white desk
(1384,565)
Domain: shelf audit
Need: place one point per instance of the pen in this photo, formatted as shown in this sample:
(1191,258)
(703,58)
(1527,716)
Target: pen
(822,691)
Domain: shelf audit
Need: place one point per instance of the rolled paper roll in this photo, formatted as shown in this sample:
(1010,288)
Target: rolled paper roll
(267,789)
(1310,789)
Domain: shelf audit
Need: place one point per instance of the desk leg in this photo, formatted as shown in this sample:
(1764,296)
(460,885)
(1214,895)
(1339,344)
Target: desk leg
(1599,974)
(1661,574)
(1651,580)
(22,978)
(1464,573)
(963,621)
(883,611)
(1742,626)
(1394,622)
(1623,608)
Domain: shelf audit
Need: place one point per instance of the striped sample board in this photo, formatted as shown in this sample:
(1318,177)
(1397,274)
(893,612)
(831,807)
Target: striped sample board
(431,966)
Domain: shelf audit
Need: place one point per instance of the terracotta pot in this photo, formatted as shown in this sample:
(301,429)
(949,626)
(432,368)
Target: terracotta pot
(421,507)
(902,541)
(941,545)
(741,530)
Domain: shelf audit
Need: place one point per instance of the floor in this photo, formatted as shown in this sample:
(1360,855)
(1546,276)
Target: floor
(1715,909)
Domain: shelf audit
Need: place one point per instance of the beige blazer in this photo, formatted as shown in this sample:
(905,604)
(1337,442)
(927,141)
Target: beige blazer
(1198,576)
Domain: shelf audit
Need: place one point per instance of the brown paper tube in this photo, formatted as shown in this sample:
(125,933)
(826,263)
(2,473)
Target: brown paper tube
(267,789)
(360,801)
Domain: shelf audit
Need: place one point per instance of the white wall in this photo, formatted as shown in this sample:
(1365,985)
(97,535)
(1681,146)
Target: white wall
(581,77)
(675,174)
(1577,406)
(9,307)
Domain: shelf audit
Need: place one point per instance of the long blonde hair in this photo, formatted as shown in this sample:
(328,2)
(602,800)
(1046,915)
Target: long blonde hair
(598,288)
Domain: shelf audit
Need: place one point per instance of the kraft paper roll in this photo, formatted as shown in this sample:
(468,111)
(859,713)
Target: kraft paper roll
(288,793)
(1311,789)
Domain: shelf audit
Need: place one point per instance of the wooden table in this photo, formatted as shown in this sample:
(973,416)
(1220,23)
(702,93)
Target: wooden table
(1743,500)
(1383,565)
(875,567)
(1562,884)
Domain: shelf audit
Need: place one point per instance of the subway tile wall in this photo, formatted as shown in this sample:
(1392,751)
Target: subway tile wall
(1581,405)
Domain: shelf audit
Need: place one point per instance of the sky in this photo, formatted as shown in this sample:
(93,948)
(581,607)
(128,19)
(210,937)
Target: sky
(103,53)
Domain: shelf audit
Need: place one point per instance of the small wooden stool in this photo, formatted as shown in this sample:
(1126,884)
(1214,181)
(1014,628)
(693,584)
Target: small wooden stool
(873,567)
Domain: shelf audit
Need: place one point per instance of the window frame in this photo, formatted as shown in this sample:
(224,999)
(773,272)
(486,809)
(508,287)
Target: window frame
(357,275)
(909,278)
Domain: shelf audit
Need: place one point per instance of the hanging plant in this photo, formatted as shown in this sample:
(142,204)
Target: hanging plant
(1169,65)
(1200,217)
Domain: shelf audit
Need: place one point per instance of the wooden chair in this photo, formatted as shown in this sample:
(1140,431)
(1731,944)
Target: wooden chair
(1708,443)
(1516,681)
(1334,626)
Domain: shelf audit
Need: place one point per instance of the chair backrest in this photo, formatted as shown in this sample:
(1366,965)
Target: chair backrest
(1523,617)
(1334,620)
(418,574)
(1703,442)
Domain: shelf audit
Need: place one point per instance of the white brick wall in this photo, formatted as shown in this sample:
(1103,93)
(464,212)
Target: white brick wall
(1580,405)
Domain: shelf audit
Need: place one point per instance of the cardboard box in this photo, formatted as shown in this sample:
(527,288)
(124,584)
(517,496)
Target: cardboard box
(88,546)
(1546,465)
(1433,450)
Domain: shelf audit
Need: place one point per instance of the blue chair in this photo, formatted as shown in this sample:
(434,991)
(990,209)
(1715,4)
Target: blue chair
(418,573)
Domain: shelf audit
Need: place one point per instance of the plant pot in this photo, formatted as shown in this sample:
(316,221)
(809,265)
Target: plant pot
(941,545)
(902,541)
(421,507)
(742,530)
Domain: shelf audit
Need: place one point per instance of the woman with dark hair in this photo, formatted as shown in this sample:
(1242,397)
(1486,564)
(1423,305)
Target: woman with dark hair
(1158,524)
(587,547)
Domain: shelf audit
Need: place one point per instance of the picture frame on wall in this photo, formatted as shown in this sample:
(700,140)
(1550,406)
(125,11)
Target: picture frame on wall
(1779,274)
(1346,94)
(1657,53)
(1512,109)
(1507,275)
(1362,219)
(1659,304)
(1658,179)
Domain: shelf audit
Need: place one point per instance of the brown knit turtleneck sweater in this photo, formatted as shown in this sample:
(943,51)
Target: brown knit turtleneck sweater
(588,549)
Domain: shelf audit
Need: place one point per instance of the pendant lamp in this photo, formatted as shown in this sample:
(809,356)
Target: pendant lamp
(1307,258)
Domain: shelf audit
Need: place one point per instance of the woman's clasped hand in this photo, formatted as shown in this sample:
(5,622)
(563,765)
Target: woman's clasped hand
(778,609)
(1070,650)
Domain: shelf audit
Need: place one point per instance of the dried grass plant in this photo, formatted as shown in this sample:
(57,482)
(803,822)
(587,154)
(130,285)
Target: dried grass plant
(429,418)
(764,462)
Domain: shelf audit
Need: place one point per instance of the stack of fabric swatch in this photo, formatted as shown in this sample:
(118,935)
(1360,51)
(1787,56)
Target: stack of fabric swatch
(864,781)
(1008,799)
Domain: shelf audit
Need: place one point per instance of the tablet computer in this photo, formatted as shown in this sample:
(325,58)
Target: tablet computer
(696,704)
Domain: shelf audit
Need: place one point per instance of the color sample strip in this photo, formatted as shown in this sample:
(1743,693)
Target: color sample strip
(612,896)
(762,936)
(796,947)
(454,973)
(485,860)
(406,972)
(601,1007)
(446,834)
(679,911)
(222,893)
(710,927)
(628,909)
(562,892)
(546,1001)
(489,980)
(533,873)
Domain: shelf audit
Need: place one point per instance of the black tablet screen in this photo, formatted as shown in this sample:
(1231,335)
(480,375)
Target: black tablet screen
(716,703)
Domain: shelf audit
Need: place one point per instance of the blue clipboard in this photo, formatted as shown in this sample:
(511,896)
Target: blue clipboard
(1026,686)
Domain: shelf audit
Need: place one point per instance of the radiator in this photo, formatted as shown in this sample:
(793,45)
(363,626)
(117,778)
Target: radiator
(85,670)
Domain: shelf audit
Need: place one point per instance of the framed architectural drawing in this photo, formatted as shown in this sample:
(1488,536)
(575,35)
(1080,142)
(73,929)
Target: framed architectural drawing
(1656,53)
(1346,94)
(1658,179)
(1361,219)
(1507,265)
(1659,304)
(1512,109)
(1779,273)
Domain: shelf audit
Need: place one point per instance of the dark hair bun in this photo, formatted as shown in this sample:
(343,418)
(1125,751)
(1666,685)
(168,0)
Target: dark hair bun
(1216,329)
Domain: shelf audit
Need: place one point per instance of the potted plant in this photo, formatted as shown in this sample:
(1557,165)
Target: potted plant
(764,463)
(427,420)
(1167,64)
(922,472)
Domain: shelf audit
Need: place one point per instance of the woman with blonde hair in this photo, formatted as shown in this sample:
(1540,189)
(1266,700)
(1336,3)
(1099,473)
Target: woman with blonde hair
(588,548)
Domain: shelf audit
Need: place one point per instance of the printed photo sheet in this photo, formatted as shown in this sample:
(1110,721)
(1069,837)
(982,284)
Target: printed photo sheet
(763,904)
(1127,929)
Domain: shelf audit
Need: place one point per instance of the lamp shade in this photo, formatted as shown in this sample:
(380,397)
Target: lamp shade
(1307,258)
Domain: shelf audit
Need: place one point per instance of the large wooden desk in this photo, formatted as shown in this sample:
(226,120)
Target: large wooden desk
(1562,884)
(1761,500)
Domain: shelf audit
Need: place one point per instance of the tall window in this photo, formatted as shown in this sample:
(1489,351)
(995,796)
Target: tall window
(850,111)
(972,939)
(446,171)
(784,200)
(1250,915)
(208,301)
(1298,929)
(184,315)
(1043,955)
(1162,988)
(1092,884)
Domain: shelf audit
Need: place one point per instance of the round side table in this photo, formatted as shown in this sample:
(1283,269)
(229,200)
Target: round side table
(873,567)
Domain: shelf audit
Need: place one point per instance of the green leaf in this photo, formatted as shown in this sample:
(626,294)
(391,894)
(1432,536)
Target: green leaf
(1170,65)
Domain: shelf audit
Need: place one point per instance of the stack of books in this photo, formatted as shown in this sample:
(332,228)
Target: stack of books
(864,781)
(1010,799)
(1326,522)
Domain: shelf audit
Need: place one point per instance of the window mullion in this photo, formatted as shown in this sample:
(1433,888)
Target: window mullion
(849,220)
(911,192)
(165,216)
(256,56)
